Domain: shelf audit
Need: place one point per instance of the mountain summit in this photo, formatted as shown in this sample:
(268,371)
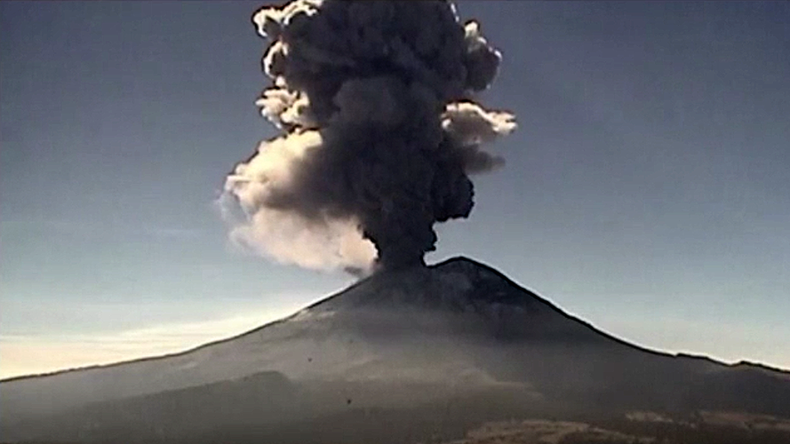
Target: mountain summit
(457,336)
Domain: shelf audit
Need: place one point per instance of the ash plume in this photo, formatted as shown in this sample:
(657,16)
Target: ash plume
(379,132)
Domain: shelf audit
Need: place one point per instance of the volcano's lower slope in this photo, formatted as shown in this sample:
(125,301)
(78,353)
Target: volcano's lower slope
(406,356)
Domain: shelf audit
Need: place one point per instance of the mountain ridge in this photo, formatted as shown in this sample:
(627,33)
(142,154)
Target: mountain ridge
(455,261)
(458,332)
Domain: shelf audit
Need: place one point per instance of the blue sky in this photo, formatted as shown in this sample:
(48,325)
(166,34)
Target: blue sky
(646,189)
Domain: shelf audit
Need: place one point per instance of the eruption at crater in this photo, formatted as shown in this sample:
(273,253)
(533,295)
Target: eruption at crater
(380,133)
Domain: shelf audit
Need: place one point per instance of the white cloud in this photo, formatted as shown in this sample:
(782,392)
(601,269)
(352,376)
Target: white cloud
(31,354)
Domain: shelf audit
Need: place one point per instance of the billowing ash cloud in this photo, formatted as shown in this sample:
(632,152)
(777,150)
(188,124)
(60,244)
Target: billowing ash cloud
(379,132)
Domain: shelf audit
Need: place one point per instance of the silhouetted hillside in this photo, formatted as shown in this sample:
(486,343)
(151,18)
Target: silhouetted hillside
(405,356)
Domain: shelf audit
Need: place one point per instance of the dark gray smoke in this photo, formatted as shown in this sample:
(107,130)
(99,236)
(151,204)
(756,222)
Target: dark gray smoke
(380,133)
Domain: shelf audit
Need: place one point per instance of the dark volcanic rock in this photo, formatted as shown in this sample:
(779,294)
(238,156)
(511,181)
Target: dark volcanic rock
(421,341)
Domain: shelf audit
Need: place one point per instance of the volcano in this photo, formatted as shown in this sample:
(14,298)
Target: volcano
(402,356)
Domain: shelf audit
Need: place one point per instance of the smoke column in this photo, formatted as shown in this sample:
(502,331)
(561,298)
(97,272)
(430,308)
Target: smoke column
(379,132)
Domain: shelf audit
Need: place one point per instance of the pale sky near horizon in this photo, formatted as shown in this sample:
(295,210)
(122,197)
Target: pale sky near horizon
(646,189)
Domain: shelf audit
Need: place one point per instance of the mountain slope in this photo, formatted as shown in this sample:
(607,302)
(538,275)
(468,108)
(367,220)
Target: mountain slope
(410,338)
